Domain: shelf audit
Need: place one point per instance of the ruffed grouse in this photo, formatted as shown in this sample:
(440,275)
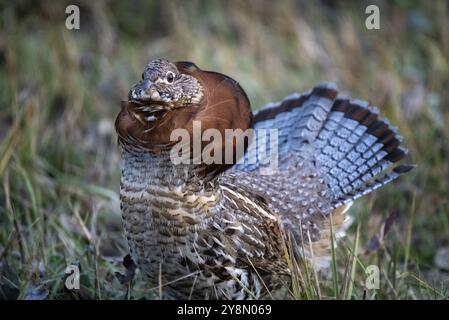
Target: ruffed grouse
(211,230)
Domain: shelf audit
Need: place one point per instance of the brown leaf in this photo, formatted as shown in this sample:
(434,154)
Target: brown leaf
(376,241)
(130,270)
(389,222)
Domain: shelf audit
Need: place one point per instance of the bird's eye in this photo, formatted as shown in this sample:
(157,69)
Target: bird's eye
(170,77)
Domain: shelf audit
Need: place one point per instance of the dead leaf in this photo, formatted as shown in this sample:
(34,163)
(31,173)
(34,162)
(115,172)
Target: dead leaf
(376,241)
(130,270)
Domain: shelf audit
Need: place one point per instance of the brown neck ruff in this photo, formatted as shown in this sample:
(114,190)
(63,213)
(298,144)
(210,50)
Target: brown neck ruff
(224,106)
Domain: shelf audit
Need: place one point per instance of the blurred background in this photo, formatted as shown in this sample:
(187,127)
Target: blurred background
(60,91)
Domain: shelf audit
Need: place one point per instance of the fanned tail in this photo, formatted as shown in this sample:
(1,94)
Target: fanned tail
(352,149)
(356,150)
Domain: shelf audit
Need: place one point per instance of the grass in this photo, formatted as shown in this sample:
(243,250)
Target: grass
(59,161)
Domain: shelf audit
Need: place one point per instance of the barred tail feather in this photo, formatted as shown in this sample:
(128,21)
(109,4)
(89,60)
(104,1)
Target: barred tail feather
(352,148)
(355,150)
(298,119)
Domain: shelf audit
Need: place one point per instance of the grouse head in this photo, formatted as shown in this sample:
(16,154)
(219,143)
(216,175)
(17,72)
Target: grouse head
(178,95)
(165,87)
